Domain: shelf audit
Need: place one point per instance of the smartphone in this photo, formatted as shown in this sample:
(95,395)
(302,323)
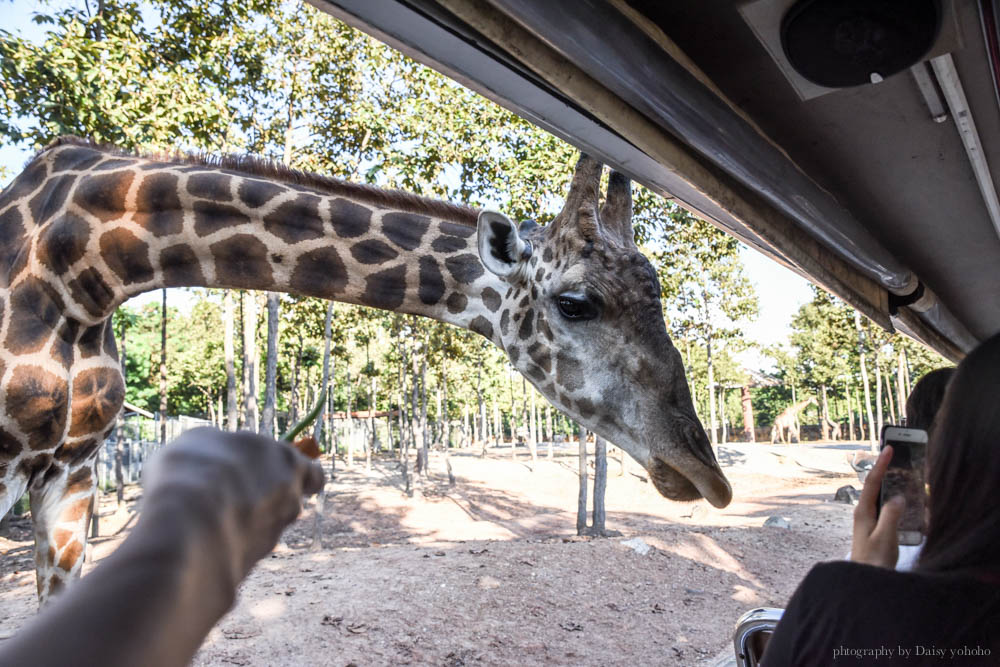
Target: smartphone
(905,477)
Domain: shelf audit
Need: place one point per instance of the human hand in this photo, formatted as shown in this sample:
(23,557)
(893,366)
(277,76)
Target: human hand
(875,540)
(237,490)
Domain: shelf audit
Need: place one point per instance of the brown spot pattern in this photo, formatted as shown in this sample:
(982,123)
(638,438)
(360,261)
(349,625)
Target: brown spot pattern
(349,219)
(89,344)
(319,272)
(210,217)
(77,452)
(241,261)
(126,255)
(38,309)
(405,229)
(75,158)
(386,289)
(526,326)
(50,199)
(9,446)
(210,186)
(491,299)
(539,353)
(79,481)
(90,290)
(158,205)
(64,343)
(296,220)
(448,244)
(103,195)
(257,193)
(457,302)
(70,556)
(97,397)
(481,326)
(63,242)
(77,510)
(11,241)
(464,268)
(569,372)
(373,251)
(431,281)
(181,267)
(36,401)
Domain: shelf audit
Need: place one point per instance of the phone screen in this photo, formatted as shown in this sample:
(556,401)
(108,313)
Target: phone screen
(905,477)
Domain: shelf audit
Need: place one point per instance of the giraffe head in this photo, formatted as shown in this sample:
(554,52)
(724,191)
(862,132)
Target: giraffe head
(582,320)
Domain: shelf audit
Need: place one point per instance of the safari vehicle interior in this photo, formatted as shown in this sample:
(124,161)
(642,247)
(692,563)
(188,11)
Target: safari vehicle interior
(852,141)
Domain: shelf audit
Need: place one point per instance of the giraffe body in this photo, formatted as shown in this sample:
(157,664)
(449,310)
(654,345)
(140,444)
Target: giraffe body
(574,304)
(787,422)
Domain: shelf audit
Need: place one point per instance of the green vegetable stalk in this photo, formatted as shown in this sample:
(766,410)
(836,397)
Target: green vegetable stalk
(310,417)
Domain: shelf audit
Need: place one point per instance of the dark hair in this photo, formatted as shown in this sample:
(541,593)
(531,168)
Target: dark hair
(925,399)
(963,469)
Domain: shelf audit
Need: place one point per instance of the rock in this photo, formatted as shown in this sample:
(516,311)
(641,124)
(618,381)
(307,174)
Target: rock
(847,494)
(778,522)
(486,582)
(637,545)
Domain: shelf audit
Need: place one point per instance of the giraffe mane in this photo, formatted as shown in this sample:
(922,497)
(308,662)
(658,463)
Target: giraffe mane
(251,165)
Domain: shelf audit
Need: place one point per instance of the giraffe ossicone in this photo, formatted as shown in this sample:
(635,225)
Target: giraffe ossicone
(574,304)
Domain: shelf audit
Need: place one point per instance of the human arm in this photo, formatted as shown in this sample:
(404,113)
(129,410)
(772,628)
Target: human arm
(214,503)
(874,539)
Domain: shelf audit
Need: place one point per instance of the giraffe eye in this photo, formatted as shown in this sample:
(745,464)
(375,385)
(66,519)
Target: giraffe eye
(576,307)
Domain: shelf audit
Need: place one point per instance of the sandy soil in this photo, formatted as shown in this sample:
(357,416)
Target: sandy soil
(490,571)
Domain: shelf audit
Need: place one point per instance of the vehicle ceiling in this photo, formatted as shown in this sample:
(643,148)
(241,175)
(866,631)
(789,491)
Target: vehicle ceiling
(858,189)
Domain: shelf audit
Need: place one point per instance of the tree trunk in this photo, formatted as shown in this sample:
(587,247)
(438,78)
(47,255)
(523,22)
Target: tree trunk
(600,485)
(445,413)
(879,420)
(711,392)
(372,401)
(722,415)
(325,380)
(250,356)
(825,417)
(850,408)
(872,436)
(232,419)
(530,421)
(424,440)
(746,401)
(350,420)
(900,389)
(888,395)
(120,435)
(581,502)
(163,369)
(271,366)
(549,436)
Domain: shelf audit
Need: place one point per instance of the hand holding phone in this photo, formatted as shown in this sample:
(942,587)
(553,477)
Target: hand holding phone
(905,477)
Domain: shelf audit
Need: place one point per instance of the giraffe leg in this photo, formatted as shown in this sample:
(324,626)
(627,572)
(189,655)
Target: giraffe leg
(61,509)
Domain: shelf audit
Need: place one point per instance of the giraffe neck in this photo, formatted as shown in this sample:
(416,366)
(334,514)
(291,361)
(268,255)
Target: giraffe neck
(127,225)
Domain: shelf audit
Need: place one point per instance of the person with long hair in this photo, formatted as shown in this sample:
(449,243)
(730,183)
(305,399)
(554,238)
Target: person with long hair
(948,608)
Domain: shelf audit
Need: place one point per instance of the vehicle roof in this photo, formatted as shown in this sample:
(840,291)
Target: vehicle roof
(862,190)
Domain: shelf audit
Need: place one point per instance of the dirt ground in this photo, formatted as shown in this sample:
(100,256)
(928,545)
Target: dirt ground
(489,571)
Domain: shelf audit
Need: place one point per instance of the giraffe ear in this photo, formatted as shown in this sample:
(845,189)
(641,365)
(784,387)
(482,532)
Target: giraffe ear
(501,249)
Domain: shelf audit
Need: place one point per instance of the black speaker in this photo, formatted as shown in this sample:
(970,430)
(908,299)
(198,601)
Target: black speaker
(841,43)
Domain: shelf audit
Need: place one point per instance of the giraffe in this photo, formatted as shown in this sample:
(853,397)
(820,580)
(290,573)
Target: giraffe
(574,304)
(788,421)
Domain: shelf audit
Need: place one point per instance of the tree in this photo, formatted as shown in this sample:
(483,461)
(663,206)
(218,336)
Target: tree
(705,291)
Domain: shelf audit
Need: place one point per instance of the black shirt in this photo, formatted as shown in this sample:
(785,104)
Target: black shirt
(851,614)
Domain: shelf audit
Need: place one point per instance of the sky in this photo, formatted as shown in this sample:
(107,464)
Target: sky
(780,291)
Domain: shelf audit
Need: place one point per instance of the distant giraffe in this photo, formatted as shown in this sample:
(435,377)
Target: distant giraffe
(787,421)
(574,304)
